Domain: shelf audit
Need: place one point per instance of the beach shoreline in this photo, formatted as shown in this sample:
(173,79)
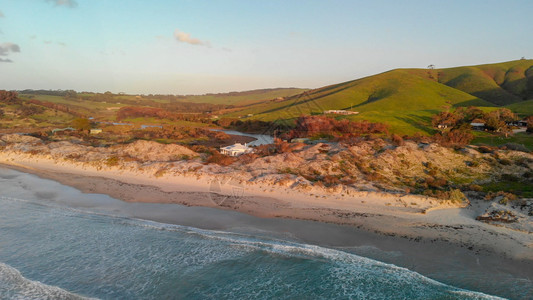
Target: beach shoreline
(366,211)
(431,257)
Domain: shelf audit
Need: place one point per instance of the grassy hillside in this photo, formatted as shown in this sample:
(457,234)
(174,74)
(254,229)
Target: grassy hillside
(524,108)
(407,98)
(501,83)
(243,98)
(402,98)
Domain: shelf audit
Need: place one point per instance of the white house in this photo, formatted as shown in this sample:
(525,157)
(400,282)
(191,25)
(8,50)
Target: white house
(340,112)
(236,149)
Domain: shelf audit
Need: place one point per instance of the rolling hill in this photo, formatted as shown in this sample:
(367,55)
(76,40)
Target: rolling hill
(243,98)
(501,83)
(406,98)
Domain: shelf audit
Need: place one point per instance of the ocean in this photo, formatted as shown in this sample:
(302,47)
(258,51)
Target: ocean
(53,251)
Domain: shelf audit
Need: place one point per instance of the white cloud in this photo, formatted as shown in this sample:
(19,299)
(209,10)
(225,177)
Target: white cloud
(67,3)
(186,38)
(6,49)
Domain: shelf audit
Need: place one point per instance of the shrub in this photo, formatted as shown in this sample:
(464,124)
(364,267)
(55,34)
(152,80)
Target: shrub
(509,177)
(160,172)
(485,149)
(219,159)
(472,163)
(454,138)
(504,195)
(112,161)
(475,188)
(248,158)
(515,147)
(436,182)
(505,162)
(288,170)
(456,196)
(330,180)
(343,130)
(397,140)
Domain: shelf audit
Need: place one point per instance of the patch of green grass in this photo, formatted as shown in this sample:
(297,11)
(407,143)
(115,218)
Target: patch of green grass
(524,108)
(518,188)
(156,121)
(484,138)
(243,98)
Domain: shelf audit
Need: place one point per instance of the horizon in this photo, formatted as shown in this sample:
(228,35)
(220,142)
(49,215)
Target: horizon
(189,48)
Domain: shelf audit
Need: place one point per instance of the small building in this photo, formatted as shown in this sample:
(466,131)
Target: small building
(442,126)
(300,140)
(151,126)
(236,149)
(340,112)
(95,131)
(520,123)
(477,126)
(54,131)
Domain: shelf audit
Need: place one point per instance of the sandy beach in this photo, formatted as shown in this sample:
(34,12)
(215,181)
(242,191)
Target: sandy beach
(381,213)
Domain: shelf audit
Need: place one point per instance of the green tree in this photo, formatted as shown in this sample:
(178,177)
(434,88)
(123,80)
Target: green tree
(71,94)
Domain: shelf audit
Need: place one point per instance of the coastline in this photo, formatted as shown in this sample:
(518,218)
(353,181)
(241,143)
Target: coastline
(371,212)
(438,259)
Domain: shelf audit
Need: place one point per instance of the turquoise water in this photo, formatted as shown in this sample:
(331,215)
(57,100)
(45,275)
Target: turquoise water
(50,251)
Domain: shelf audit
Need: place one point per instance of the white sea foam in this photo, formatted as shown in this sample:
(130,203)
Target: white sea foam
(346,269)
(15,286)
(348,264)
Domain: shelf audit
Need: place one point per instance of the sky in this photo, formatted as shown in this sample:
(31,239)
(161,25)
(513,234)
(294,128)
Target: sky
(203,46)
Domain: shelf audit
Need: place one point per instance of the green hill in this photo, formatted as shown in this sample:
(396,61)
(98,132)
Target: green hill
(501,83)
(524,108)
(407,98)
(243,98)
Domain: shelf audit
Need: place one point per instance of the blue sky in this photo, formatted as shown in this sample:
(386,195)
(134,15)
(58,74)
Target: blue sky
(195,47)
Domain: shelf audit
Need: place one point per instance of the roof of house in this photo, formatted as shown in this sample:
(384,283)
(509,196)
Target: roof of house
(236,147)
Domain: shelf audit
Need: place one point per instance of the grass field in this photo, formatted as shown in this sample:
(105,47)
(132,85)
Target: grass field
(516,187)
(522,138)
(243,98)
(154,121)
(88,108)
(233,98)
(523,109)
